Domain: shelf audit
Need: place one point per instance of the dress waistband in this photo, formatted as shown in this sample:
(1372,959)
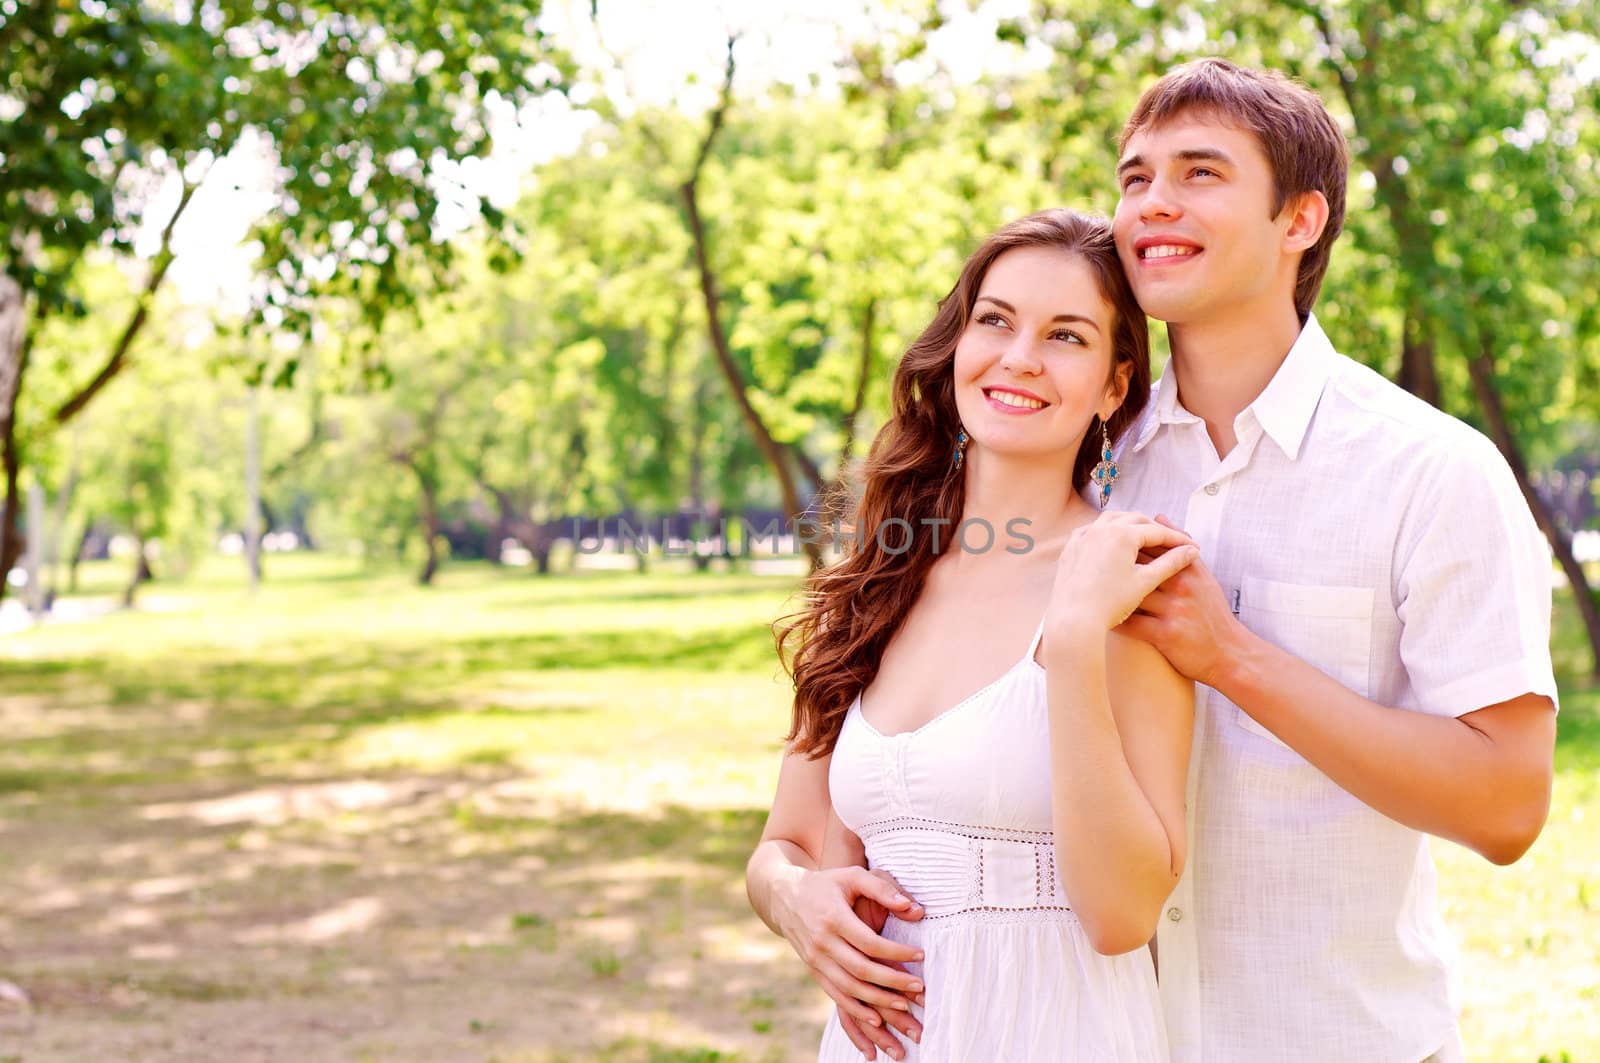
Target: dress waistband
(954,868)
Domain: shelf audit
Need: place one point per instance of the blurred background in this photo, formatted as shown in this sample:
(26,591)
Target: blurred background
(392,400)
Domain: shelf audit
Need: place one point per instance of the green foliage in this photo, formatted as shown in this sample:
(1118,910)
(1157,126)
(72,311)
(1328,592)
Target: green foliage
(365,108)
(580,377)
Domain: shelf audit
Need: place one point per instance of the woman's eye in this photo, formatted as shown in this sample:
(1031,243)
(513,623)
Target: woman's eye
(991,319)
(1068,336)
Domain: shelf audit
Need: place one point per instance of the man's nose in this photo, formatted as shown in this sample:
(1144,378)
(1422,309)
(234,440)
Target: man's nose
(1158,201)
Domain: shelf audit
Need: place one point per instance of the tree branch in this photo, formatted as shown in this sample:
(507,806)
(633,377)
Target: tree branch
(141,313)
(718,116)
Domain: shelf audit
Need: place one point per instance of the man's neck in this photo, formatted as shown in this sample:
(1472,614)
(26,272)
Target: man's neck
(1221,366)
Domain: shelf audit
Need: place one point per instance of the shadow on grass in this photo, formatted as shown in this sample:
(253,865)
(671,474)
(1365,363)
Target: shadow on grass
(719,838)
(151,715)
(635,1051)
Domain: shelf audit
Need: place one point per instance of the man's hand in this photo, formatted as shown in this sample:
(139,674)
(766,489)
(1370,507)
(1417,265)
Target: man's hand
(1189,620)
(875,915)
(838,916)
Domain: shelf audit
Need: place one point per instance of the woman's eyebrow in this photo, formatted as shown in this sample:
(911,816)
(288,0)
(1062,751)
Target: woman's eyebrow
(1067,318)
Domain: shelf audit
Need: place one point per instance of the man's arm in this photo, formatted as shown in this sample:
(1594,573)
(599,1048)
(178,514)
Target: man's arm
(1482,779)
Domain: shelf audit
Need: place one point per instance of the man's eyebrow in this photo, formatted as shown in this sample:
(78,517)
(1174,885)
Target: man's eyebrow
(1065,318)
(1186,155)
(1205,155)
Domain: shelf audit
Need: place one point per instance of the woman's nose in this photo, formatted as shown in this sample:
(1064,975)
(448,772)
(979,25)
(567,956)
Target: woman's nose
(1019,356)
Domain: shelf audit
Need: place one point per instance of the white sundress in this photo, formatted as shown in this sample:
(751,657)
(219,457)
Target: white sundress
(958,811)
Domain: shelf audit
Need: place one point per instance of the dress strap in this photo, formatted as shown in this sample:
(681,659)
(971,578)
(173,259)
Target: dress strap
(1038,637)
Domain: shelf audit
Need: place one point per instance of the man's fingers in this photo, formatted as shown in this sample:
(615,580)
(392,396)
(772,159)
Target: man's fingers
(1155,603)
(1139,627)
(875,983)
(858,1020)
(903,1021)
(843,989)
(881,887)
(852,1031)
(873,1037)
(879,947)
(913,910)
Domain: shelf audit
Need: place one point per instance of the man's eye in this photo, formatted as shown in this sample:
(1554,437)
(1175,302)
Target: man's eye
(1130,180)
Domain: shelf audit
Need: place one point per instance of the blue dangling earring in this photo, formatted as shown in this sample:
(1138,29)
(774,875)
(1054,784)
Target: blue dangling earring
(961,449)
(1104,474)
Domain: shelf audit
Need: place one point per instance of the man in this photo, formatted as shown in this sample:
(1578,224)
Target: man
(1369,626)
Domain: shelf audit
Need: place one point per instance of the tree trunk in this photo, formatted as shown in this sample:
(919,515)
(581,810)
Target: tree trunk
(774,451)
(141,574)
(1481,369)
(13,363)
(58,521)
(770,447)
(77,555)
(1418,373)
(852,419)
(430,522)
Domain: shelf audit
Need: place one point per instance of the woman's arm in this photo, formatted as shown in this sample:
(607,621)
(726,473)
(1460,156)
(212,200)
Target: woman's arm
(815,907)
(1121,723)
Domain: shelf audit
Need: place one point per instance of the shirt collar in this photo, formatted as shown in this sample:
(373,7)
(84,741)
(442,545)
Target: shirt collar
(1283,408)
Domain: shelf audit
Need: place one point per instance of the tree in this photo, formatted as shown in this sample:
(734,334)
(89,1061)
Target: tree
(116,113)
(1465,271)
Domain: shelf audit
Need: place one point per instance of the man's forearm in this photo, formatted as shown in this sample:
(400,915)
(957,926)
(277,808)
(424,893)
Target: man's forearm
(1487,788)
(769,880)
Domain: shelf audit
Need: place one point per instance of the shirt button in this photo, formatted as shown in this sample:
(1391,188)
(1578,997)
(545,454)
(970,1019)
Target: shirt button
(1175,914)
(1211,489)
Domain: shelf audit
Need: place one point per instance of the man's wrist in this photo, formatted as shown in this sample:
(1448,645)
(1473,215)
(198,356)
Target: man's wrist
(1238,663)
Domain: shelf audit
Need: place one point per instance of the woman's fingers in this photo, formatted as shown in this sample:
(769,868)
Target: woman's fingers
(1152,536)
(1148,577)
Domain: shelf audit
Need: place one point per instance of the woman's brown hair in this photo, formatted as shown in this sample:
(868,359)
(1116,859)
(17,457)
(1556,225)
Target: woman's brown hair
(832,646)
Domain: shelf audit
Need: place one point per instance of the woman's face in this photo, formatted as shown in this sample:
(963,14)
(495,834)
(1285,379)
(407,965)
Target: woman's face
(1034,364)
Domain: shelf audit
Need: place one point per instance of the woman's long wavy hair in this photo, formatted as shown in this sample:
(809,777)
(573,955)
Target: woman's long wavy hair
(832,646)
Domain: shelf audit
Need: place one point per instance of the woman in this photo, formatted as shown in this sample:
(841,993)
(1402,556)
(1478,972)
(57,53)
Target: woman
(1015,784)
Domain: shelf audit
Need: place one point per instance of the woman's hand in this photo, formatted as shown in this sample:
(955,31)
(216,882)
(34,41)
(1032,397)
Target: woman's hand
(1101,577)
(833,923)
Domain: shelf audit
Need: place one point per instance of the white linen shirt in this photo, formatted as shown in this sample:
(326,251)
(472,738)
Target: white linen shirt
(1387,544)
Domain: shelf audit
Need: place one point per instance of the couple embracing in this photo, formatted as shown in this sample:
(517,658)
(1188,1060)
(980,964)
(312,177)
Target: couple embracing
(1159,786)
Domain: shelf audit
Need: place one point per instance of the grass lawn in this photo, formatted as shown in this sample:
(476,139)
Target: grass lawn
(503,819)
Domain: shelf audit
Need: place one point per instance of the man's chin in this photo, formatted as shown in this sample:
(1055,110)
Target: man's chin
(1166,307)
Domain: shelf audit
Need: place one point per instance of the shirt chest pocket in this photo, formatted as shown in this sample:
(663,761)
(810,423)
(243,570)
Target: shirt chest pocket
(1330,628)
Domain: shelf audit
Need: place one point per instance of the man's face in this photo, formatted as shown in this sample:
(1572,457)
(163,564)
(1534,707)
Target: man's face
(1193,226)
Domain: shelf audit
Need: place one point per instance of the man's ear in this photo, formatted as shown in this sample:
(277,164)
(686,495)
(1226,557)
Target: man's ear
(1117,389)
(1307,218)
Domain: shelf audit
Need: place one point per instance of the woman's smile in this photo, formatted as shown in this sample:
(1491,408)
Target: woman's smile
(1013,401)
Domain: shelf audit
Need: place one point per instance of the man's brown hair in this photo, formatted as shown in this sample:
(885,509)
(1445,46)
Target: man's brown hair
(1303,144)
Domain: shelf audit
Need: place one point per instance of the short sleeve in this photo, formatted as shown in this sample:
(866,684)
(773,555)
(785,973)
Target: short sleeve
(1472,583)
